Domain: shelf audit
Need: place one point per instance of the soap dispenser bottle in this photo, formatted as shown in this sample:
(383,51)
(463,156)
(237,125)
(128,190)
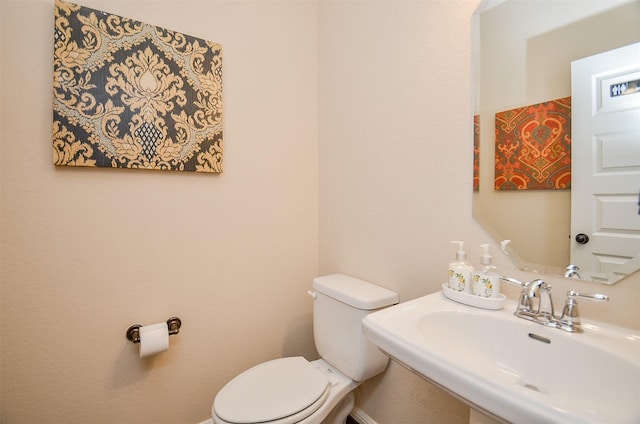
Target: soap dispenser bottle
(460,271)
(486,280)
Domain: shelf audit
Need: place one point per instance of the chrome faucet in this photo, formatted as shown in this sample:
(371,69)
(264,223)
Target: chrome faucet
(535,304)
(571,271)
(530,303)
(538,289)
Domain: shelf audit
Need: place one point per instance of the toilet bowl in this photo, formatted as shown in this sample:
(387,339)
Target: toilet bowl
(294,390)
(284,391)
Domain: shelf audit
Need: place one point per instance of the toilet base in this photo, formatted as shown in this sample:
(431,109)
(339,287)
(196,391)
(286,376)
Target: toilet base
(341,398)
(342,410)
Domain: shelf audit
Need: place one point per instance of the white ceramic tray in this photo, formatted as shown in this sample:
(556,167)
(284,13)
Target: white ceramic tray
(473,300)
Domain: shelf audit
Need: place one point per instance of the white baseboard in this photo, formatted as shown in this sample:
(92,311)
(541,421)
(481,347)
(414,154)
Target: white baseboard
(209,421)
(361,417)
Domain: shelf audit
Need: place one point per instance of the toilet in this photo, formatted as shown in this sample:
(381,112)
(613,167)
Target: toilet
(294,390)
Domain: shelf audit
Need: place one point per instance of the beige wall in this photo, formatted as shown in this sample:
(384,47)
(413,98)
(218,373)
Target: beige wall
(376,93)
(88,252)
(395,171)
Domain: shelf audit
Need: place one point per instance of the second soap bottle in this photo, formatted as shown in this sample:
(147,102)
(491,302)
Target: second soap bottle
(485,279)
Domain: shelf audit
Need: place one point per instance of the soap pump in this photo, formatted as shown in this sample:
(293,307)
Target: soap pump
(460,271)
(486,280)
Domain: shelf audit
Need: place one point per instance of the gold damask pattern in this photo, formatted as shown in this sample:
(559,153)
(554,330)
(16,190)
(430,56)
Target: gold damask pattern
(132,95)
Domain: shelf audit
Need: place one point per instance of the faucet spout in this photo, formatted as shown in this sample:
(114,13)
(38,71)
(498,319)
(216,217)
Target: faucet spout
(534,287)
(545,304)
(538,294)
(571,271)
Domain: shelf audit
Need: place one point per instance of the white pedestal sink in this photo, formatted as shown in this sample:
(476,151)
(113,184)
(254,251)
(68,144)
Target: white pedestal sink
(514,369)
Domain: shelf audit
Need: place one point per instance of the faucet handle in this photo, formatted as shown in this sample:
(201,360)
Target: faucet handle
(598,297)
(512,281)
(570,319)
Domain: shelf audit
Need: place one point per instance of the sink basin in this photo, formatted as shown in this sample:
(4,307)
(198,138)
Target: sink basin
(513,369)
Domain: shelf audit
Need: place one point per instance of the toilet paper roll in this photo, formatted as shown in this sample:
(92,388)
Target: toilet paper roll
(153,339)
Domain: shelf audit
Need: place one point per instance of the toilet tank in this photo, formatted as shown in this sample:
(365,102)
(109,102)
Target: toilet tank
(340,305)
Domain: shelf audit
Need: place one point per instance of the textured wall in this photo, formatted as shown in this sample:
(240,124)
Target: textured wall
(396,171)
(88,252)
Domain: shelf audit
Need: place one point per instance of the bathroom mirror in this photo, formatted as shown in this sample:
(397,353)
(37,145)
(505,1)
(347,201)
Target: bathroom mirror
(522,54)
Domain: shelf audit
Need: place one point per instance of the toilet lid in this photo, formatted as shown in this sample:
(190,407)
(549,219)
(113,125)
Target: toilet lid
(271,391)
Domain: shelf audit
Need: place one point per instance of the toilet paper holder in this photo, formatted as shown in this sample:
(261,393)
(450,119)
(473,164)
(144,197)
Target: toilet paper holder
(173,325)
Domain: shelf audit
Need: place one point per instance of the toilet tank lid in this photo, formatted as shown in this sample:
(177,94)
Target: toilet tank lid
(355,292)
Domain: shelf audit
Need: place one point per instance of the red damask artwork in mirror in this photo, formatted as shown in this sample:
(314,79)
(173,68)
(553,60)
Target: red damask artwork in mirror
(533,147)
(132,95)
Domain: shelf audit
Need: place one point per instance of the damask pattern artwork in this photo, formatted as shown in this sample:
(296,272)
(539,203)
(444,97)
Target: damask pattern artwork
(133,95)
(533,147)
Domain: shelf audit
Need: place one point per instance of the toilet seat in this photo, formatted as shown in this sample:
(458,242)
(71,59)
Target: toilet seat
(280,391)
